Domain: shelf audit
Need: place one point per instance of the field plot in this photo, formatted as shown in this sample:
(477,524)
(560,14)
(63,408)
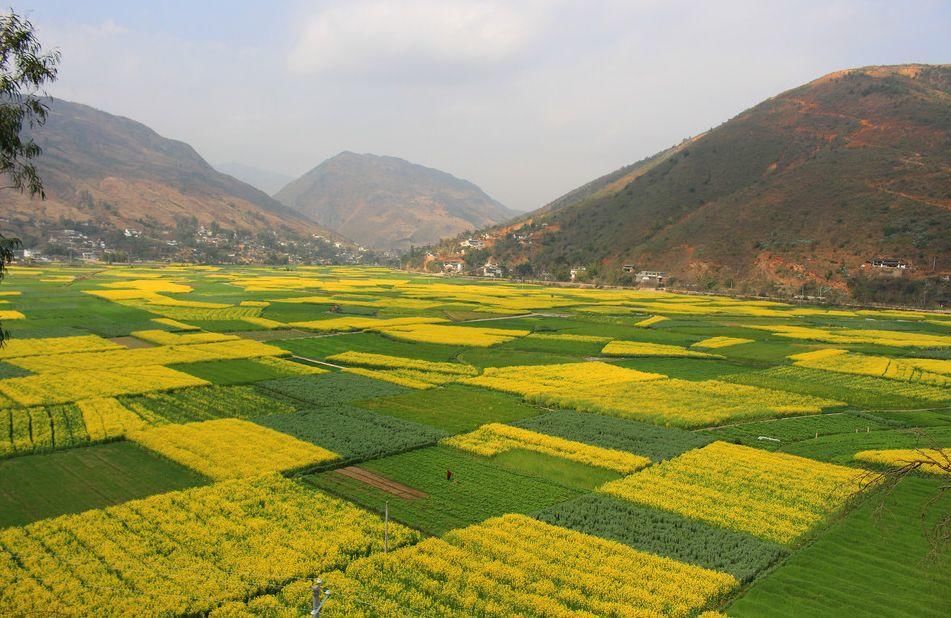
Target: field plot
(776,434)
(861,336)
(931,460)
(40,486)
(693,369)
(454,408)
(246,371)
(479,489)
(666,534)
(615,391)
(774,496)
(655,443)
(477,336)
(495,438)
(58,388)
(337,388)
(857,390)
(41,428)
(841,448)
(205,403)
(642,348)
(230,448)
(517,565)
(868,563)
(160,355)
(373,343)
(921,370)
(351,432)
(18,348)
(184,552)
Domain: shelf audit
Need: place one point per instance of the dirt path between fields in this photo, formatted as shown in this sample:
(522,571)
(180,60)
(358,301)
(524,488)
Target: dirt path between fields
(381,482)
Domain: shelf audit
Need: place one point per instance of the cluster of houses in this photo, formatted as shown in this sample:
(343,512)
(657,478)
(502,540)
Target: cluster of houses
(95,245)
(646,278)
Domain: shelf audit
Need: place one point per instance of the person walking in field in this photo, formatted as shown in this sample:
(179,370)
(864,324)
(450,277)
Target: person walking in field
(449,475)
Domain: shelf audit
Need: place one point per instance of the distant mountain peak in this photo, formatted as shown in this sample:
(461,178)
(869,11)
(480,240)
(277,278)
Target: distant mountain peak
(386,202)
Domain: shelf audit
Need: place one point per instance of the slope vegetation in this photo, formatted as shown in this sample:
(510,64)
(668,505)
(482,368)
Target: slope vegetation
(807,185)
(118,173)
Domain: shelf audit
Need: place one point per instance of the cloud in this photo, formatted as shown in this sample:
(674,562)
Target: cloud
(107,28)
(383,36)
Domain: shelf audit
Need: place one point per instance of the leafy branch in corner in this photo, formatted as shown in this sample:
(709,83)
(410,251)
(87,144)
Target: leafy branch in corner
(24,69)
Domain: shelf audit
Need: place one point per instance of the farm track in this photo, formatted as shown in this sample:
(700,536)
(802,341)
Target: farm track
(381,482)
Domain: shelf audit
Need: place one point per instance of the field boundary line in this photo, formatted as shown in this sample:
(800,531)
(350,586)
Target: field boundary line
(319,362)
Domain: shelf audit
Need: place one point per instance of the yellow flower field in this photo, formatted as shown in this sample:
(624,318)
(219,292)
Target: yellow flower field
(892,338)
(516,565)
(775,496)
(231,448)
(495,438)
(76,384)
(150,285)
(174,324)
(934,461)
(107,418)
(360,323)
(410,378)
(568,337)
(543,380)
(643,348)
(384,361)
(654,319)
(10,314)
(265,323)
(476,336)
(161,355)
(615,391)
(932,371)
(714,343)
(164,337)
(289,366)
(184,552)
(15,348)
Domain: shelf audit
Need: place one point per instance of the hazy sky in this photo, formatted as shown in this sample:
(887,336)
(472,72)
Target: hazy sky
(526,99)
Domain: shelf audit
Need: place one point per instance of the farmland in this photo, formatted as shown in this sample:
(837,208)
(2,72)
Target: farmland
(187,440)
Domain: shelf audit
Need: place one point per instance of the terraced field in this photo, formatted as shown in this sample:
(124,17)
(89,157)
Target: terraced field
(436,446)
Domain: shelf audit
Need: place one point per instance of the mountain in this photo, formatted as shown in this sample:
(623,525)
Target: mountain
(804,187)
(389,203)
(114,173)
(265,180)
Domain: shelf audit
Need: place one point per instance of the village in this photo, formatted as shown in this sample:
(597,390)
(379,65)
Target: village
(198,244)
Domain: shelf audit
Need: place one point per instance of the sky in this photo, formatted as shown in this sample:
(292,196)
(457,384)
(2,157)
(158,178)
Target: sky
(527,99)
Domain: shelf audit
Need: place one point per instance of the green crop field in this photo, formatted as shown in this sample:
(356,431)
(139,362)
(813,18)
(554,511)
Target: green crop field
(341,390)
(780,433)
(455,408)
(656,443)
(666,534)
(39,486)
(873,562)
(351,432)
(478,490)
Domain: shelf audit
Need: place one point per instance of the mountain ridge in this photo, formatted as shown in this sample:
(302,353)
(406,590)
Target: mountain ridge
(804,186)
(104,169)
(388,202)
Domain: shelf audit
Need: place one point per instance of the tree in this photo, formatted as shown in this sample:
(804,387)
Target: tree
(24,69)
(934,459)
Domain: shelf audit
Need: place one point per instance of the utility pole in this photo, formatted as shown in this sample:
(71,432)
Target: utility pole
(386,527)
(320,597)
